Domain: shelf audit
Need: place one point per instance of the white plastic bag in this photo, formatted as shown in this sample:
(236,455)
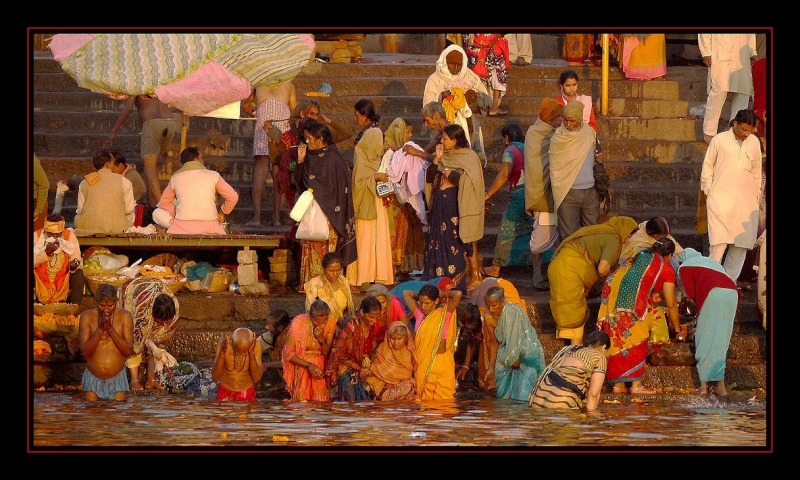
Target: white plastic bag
(314,224)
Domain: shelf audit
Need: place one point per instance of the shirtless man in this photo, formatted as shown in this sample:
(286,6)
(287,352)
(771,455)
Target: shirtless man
(273,105)
(106,339)
(237,366)
(158,127)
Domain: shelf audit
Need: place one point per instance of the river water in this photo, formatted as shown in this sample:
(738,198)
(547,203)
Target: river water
(63,420)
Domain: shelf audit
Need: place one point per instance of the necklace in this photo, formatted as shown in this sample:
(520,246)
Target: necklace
(238,360)
(52,261)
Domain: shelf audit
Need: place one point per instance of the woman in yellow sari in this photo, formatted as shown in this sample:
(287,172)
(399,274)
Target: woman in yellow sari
(435,342)
(331,287)
(581,260)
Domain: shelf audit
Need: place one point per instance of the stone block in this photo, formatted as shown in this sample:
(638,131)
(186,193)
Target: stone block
(206,306)
(281,267)
(282,259)
(281,278)
(246,256)
(252,309)
(672,354)
(247,274)
(664,108)
(661,90)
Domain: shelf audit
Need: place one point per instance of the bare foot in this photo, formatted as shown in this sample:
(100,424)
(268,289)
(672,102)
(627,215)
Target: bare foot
(253,223)
(153,385)
(493,271)
(276,222)
(136,385)
(721,391)
(642,390)
(703,390)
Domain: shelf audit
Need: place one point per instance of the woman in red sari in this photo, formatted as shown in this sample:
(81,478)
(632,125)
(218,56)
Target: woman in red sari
(351,352)
(629,308)
(392,310)
(487,55)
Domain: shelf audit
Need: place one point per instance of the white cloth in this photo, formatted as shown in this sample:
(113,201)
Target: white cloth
(442,79)
(731,179)
(730,72)
(519,46)
(69,246)
(730,60)
(409,172)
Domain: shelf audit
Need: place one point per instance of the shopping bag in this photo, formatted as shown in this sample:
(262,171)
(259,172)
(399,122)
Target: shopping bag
(313,225)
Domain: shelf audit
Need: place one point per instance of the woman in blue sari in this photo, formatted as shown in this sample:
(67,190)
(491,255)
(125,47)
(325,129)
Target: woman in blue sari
(514,237)
(520,356)
(704,280)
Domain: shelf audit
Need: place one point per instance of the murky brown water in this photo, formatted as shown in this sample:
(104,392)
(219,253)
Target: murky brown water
(64,419)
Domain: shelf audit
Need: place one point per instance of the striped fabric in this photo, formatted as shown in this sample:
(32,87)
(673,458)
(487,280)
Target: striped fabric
(146,63)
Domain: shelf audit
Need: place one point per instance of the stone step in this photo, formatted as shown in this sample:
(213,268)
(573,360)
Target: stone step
(64,134)
(405,106)
(204,316)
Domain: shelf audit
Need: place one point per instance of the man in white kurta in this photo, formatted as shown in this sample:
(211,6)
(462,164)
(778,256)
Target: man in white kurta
(729,57)
(731,178)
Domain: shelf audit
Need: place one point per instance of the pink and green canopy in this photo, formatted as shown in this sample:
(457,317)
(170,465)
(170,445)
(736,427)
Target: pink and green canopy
(195,73)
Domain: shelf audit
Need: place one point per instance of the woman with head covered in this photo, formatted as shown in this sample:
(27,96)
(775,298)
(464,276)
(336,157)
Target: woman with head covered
(583,259)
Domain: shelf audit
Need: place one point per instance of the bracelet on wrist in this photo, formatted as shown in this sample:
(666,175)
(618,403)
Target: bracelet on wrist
(464,366)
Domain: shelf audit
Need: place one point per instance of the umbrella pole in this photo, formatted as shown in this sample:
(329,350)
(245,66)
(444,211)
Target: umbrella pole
(184,129)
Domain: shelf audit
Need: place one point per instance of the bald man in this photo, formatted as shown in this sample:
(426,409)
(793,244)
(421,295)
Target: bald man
(237,366)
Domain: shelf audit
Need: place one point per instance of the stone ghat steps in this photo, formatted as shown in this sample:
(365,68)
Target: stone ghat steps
(97,127)
(205,318)
(376,65)
(399,105)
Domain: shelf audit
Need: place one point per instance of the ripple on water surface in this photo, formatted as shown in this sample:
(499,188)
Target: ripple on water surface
(165,421)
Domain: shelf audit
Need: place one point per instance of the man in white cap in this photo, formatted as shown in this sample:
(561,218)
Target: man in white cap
(57,262)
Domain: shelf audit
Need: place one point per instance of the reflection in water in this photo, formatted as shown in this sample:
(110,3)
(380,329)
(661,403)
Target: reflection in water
(159,421)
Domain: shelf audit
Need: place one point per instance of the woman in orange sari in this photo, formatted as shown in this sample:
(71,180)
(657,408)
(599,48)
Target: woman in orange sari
(391,373)
(303,356)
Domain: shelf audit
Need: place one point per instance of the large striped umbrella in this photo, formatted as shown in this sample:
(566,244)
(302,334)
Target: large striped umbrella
(196,73)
